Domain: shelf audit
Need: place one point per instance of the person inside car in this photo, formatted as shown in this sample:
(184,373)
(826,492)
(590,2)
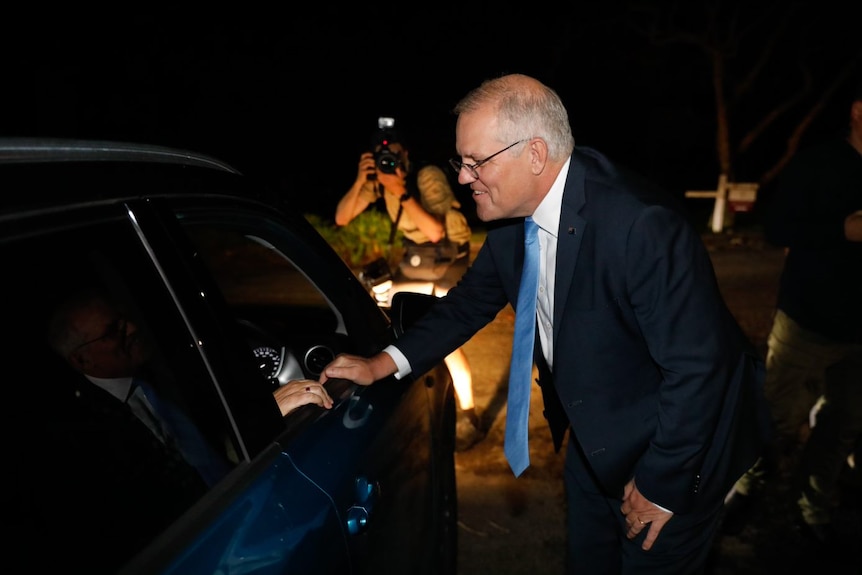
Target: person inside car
(108,348)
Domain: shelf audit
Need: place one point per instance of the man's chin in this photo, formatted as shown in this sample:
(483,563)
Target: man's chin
(140,352)
(486,213)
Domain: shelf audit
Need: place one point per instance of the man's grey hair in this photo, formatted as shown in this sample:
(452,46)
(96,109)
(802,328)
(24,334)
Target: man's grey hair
(525,109)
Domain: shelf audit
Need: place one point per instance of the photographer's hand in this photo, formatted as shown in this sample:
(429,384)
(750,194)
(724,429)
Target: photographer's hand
(428,224)
(395,184)
(367,168)
(354,201)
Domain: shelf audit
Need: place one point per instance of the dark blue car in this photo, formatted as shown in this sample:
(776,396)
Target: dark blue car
(240,296)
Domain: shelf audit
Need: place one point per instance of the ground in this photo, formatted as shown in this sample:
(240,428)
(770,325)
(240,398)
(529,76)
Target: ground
(515,526)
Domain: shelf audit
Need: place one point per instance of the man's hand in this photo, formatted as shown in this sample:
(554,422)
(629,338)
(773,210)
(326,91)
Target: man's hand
(640,512)
(301,392)
(361,370)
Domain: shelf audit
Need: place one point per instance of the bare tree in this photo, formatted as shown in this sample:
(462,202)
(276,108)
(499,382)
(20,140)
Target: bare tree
(796,54)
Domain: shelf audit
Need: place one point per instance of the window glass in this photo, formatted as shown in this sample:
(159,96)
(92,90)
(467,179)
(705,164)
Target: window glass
(89,465)
(252,271)
(292,327)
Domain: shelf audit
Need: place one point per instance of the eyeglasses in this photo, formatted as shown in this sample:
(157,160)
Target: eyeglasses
(457,164)
(115,331)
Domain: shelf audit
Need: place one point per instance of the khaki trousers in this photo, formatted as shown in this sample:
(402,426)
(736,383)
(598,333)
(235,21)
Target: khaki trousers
(805,370)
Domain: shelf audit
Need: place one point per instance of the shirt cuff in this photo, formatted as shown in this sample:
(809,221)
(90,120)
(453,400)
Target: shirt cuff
(401,362)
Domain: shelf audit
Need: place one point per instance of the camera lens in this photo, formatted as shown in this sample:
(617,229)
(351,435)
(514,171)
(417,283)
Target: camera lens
(387,162)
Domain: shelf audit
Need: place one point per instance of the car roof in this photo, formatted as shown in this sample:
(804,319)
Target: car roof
(52,173)
(39,150)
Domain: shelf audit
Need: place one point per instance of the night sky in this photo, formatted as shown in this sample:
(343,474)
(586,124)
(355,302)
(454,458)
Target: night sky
(292,95)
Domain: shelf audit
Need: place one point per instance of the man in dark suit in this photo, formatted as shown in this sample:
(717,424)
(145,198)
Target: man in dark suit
(638,355)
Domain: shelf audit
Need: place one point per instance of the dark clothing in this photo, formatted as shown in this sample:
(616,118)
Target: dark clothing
(821,285)
(594,541)
(181,433)
(109,483)
(815,345)
(650,370)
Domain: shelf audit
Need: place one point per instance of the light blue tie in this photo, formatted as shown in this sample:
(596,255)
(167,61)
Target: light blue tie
(194,448)
(521,368)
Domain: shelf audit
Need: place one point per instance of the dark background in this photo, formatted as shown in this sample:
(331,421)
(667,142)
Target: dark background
(292,93)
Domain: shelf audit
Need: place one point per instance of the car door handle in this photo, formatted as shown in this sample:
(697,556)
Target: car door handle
(357,413)
(359,513)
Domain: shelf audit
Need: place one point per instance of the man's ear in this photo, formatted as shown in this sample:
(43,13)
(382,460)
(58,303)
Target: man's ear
(538,150)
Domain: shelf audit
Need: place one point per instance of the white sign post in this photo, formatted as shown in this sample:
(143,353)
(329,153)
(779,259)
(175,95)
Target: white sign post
(739,196)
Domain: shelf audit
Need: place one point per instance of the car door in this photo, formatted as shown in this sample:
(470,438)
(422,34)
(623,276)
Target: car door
(378,454)
(86,484)
(367,486)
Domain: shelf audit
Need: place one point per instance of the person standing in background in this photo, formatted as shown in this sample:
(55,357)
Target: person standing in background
(815,345)
(420,202)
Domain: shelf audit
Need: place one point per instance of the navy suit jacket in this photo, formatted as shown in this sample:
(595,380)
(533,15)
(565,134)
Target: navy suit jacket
(650,371)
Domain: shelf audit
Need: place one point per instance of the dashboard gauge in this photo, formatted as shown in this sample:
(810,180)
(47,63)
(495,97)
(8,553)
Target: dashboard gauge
(317,358)
(268,360)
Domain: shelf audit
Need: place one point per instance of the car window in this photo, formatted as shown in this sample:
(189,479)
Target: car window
(251,271)
(289,321)
(86,465)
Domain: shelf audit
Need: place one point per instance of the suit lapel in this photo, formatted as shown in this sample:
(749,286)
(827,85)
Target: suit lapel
(569,235)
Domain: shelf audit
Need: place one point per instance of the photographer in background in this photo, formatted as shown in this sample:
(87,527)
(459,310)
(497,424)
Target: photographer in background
(420,202)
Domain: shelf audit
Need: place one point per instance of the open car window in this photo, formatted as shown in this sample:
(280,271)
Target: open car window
(292,327)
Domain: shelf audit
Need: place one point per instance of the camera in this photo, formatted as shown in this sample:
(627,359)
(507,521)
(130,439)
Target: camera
(385,159)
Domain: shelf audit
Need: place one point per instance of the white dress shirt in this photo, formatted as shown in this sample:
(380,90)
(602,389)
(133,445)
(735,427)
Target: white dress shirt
(120,387)
(547,216)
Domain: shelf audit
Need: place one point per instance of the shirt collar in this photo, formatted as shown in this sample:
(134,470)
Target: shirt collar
(116,386)
(547,214)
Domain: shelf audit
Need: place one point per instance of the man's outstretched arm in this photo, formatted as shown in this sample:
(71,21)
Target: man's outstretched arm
(360,370)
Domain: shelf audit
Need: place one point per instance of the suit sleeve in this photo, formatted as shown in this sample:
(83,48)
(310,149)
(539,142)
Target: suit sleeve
(695,344)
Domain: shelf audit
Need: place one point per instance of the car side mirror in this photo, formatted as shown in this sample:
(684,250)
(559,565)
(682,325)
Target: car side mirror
(406,308)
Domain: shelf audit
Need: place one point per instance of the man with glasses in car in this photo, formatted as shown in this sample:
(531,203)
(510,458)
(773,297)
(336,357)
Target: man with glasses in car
(114,355)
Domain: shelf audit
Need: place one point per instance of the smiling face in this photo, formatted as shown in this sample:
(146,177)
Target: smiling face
(507,185)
